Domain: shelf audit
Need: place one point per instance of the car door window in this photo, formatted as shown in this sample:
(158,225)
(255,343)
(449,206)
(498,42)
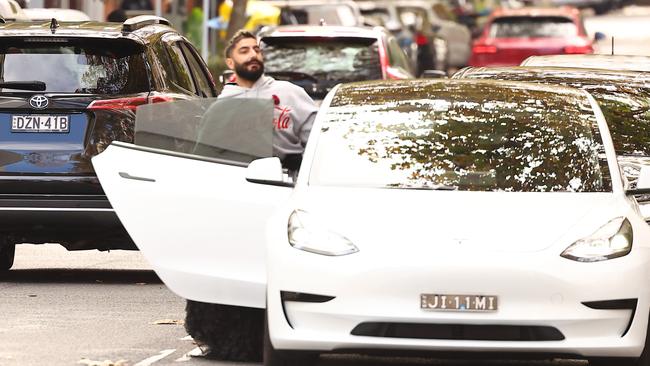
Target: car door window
(396,55)
(231,130)
(203,83)
(183,74)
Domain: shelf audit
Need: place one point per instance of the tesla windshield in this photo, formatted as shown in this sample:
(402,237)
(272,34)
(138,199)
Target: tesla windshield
(466,136)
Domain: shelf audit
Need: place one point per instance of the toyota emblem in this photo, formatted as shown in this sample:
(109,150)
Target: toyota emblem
(39,102)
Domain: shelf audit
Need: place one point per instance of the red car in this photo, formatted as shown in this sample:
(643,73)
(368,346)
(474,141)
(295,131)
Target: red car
(512,35)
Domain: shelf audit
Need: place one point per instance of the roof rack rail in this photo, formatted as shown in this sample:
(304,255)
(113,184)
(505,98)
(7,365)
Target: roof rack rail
(135,23)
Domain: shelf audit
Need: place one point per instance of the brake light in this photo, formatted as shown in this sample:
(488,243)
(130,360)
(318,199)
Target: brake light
(484,49)
(127,103)
(578,49)
(421,39)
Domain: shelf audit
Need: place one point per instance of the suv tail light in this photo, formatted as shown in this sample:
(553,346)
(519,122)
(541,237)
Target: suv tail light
(578,49)
(127,103)
(481,48)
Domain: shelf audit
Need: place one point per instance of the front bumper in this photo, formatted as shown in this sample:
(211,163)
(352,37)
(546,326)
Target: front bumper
(77,222)
(534,289)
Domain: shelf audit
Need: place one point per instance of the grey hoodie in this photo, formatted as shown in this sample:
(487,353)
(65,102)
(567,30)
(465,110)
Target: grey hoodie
(293,115)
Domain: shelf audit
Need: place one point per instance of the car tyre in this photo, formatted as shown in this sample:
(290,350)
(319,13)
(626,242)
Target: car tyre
(7,254)
(231,333)
(273,357)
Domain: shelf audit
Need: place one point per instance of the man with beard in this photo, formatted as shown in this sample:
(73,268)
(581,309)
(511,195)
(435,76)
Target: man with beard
(294,110)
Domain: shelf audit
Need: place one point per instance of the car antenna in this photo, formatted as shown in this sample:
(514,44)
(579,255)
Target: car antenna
(54,25)
(612,45)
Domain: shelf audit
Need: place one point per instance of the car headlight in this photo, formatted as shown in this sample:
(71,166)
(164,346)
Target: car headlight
(612,240)
(308,235)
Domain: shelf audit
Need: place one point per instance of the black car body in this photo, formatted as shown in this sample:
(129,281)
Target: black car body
(67,91)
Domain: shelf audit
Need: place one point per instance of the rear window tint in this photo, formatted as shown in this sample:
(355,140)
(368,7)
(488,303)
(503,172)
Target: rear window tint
(532,27)
(76,66)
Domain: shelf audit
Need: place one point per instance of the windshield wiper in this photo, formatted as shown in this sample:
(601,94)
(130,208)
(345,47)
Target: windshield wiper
(23,85)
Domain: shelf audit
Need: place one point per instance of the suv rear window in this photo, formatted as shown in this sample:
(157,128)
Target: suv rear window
(532,27)
(75,66)
(348,59)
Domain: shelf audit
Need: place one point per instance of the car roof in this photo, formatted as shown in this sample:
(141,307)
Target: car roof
(538,73)
(322,31)
(592,61)
(137,29)
(564,11)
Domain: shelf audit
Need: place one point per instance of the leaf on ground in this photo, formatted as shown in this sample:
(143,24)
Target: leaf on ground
(88,362)
(168,322)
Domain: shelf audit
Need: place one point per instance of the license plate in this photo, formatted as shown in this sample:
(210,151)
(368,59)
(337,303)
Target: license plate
(441,302)
(40,123)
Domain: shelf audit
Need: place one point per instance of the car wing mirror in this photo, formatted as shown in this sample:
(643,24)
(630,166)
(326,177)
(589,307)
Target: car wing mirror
(267,171)
(226,77)
(643,183)
(434,74)
(599,36)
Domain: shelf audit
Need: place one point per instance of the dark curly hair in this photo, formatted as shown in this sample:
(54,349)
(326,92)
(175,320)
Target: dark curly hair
(241,34)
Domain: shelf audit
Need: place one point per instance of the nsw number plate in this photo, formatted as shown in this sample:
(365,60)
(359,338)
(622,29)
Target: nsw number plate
(441,302)
(40,123)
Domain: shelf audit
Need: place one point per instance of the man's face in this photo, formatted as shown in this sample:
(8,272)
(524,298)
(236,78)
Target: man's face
(246,59)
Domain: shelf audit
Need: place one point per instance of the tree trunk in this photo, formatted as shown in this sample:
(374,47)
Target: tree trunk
(238,17)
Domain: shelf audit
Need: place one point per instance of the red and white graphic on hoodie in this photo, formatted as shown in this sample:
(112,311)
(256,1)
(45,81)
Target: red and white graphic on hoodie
(281,114)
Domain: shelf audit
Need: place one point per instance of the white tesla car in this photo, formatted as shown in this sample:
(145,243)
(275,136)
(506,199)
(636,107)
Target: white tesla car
(428,216)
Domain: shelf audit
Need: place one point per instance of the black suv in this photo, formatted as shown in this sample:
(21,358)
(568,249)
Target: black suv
(66,91)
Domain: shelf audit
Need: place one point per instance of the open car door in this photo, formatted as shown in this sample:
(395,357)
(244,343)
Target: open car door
(181,192)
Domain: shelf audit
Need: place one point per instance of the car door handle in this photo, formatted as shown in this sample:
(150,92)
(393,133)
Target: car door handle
(129,176)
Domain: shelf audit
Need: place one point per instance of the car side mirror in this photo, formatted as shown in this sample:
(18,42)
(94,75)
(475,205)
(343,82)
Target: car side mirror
(599,36)
(267,171)
(434,74)
(226,76)
(643,183)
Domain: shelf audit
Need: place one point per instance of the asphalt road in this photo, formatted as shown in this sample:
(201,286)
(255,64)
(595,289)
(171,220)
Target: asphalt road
(94,308)
(97,308)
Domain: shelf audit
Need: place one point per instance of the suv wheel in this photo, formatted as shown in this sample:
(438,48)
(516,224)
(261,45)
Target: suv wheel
(273,357)
(7,253)
(232,333)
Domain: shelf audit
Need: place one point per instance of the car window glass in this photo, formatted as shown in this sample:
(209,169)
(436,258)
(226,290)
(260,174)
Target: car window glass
(397,56)
(625,103)
(523,26)
(199,73)
(472,137)
(236,130)
(76,67)
(183,74)
(348,59)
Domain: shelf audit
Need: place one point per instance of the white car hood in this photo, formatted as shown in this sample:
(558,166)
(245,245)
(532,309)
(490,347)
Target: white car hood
(386,219)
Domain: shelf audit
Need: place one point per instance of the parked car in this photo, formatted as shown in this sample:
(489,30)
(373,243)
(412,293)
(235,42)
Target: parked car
(313,12)
(512,35)
(592,61)
(68,90)
(372,249)
(10,10)
(296,54)
(624,98)
(62,15)
(436,16)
